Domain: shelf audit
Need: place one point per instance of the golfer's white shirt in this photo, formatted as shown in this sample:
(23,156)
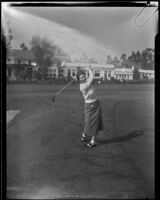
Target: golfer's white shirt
(88,93)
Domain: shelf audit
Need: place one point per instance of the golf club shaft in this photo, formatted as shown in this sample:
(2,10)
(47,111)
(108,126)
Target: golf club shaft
(64,87)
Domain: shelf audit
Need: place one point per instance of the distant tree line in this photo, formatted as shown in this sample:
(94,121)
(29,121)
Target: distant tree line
(143,60)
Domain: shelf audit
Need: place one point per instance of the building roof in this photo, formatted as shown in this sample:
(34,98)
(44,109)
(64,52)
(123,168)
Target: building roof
(21,54)
(146,71)
(123,70)
(87,64)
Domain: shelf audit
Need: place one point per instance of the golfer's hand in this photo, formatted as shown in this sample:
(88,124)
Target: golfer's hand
(90,67)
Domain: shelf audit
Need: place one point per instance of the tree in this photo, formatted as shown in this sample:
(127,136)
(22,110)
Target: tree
(84,58)
(93,60)
(138,57)
(109,59)
(60,55)
(23,46)
(123,56)
(3,36)
(136,74)
(116,61)
(132,57)
(147,59)
(123,60)
(43,52)
(35,44)
(46,53)
(127,63)
(135,59)
(144,59)
(8,35)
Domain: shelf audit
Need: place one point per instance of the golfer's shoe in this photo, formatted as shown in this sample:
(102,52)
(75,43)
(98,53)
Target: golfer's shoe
(83,138)
(90,145)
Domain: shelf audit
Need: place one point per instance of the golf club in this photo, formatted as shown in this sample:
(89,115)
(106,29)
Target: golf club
(53,98)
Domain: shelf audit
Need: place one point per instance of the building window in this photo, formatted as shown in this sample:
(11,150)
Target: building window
(73,72)
(105,74)
(61,72)
(69,72)
(15,60)
(49,71)
(49,75)
(19,61)
(53,72)
(9,59)
(97,73)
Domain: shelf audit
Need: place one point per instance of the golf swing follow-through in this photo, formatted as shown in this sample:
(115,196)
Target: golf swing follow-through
(92,110)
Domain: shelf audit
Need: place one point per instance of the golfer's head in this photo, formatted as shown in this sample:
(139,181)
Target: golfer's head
(82,78)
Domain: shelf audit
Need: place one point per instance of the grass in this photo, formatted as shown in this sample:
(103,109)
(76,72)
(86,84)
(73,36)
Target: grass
(44,150)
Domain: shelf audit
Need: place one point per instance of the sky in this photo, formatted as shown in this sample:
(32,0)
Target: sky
(98,31)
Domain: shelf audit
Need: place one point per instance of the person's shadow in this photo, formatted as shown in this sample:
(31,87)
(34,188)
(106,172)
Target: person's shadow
(124,138)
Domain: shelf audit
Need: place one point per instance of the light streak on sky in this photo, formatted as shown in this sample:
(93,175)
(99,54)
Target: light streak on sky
(71,40)
(96,31)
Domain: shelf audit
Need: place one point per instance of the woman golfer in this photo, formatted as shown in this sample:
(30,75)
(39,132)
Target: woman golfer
(92,109)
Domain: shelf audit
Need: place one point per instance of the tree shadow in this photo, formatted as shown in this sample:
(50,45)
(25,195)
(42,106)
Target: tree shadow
(124,138)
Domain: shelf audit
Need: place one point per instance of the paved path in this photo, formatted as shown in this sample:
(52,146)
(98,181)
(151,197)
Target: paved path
(45,158)
(11,114)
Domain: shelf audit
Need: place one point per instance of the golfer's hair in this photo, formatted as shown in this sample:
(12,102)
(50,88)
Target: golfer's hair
(81,72)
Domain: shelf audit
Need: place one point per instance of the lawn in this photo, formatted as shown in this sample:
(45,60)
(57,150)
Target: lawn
(45,157)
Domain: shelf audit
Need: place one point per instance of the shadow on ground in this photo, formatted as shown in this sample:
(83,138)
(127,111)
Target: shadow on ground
(124,138)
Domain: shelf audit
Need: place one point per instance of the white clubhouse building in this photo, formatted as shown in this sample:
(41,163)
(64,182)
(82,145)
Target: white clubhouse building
(103,71)
(123,74)
(100,70)
(149,74)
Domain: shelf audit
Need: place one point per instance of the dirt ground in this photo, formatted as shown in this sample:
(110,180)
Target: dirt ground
(47,160)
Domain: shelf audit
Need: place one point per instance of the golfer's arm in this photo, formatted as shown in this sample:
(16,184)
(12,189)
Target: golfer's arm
(90,80)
